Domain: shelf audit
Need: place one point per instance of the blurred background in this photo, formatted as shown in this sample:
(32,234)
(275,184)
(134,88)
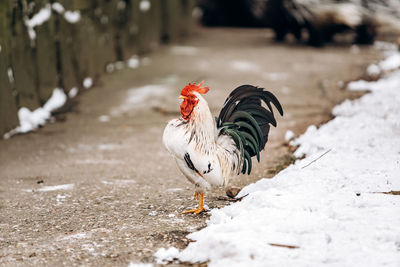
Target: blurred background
(57,44)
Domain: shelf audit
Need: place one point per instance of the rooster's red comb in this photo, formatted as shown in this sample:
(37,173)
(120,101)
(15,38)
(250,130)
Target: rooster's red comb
(194,87)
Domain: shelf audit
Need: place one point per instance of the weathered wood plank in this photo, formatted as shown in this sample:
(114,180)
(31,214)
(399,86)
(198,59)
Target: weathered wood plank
(63,52)
(8,107)
(149,27)
(22,60)
(45,55)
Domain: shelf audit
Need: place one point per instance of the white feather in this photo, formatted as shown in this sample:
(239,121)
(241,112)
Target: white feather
(215,158)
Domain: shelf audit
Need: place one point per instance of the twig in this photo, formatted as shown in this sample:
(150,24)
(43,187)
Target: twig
(317,158)
(283,246)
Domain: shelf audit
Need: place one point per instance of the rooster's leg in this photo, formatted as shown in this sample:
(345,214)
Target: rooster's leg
(200,208)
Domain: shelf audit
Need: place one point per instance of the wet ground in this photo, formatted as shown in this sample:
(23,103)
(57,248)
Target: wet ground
(120,196)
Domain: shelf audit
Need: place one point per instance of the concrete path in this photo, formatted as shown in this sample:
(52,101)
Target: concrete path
(98,187)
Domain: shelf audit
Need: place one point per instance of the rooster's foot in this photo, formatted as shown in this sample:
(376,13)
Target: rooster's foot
(195,211)
(200,197)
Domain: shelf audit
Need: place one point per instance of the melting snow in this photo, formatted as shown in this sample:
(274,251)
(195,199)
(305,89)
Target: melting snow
(104,118)
(390,63)
(44,15)
(148,95)
(56,187)
(133,62)
(135,264)
(327,209)
(274,76)
(10,74)
(31,120)
(242,65)
(58,8)
(184,50)
(75,236)
(87,82)
(373,70)
(72,16)
(98,161)
(145,5)
(73,92)
(38,19)
(289,135)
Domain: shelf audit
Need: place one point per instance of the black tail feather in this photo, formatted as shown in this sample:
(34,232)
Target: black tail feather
(245,119)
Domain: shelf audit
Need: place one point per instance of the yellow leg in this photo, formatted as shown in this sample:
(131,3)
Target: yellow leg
(200,208)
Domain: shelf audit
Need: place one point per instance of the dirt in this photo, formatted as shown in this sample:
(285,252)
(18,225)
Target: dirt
(124,196)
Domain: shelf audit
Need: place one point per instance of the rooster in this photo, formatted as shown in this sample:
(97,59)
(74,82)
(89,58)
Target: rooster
(208,151)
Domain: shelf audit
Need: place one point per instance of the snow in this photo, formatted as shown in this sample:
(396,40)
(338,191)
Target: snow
(87,82)
(145,5)
(72,16)
(144,96)
(390,63)
(58,8)
(39,18)
(134,264)
(289,135)
(164,255)
(56,187)
(274,76)
(31,120)
(243,65)
(104,118)
(57,100)
(10,74)
(133,62)
(373,70)
(73,92)
(326,209)
(44,15)
(184,50)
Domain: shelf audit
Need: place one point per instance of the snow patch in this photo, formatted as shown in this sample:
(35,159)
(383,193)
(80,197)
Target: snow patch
(31,120)
(98,161)
(56,187)
(153,213)
(275,76)
(166,255)
(76,236)
(87,82)
(10,74)
(135,264)
(107,147)
(119,182)
(133,62)
(57,100)
(243,65)
(148,95)
(104,118)
(184,50)
(289,135)
(39,18)
(145,5)
(327,209)
(390,63)
(73,92)
(373,70)
(58,8)
(72,16)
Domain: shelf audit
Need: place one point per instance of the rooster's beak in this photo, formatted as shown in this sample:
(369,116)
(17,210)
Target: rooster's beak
(182,97)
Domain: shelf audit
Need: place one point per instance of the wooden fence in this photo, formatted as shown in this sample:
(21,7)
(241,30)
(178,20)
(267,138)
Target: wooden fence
(46,44)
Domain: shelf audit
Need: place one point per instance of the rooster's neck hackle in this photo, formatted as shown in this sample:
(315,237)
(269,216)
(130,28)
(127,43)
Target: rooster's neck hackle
(202,125)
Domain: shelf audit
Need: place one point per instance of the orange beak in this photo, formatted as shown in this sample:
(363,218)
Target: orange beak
(183,97)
